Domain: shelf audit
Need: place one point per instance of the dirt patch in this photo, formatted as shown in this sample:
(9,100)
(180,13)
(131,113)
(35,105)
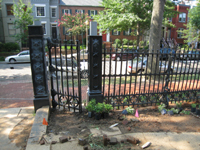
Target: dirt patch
(78,125)
(20,133)
(150,120)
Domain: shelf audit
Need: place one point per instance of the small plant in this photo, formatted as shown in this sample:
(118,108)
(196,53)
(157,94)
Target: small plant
(107,56)
(161,107)
(118,43)
(178,105)
(99,108)
(193,105)
(91,106)
(107,107)
(130,110)
(185,112)
(126,99)
(125,41)
(175,111)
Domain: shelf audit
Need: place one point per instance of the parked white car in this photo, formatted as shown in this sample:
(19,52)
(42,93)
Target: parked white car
(23,56)
(70,68)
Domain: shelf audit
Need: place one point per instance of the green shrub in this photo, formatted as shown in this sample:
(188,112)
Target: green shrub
(2,58)
(131,42)
(10,47)
(118,43)
(125,41)
(130,110)
(134,42)
(141,43)
(194,105)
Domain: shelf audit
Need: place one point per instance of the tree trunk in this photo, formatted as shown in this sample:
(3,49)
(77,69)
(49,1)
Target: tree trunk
(155,36)
(138,34)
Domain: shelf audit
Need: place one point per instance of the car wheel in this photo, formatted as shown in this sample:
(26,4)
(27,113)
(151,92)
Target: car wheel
(84,74)
(118,59)
(12,60)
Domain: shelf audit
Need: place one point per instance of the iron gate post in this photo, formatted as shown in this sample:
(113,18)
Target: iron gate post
(95,68)
(38,67)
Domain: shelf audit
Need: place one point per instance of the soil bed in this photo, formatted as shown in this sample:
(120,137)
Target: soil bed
(150,120)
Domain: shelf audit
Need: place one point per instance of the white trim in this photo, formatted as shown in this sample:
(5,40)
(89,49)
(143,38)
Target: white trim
(53,6)
(40,5)
(43,21)
(53,23)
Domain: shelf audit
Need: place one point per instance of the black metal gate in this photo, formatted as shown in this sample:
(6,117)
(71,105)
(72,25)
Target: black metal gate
(65,75)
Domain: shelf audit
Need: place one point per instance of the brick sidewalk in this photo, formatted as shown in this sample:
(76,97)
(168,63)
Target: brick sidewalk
(13,94)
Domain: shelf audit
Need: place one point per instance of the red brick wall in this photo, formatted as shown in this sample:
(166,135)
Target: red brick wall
(175,21)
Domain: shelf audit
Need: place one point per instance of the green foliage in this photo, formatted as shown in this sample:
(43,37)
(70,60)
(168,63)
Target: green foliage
(141,43)
(161,107)
(125,14)
(107,107)
(130,110)
(23,18)
(193,105)
(125,41)
(178,105)
(185,112)
(194,16)
(2,58)
(99,108)
(91,106)
(9,47)
(76,24)
(131,42)
(107,56)
(175,111)
(117,43)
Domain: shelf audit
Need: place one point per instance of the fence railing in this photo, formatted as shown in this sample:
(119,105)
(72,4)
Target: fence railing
(140,77)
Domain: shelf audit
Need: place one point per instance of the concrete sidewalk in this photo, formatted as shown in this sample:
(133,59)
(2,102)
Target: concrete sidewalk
(9,118)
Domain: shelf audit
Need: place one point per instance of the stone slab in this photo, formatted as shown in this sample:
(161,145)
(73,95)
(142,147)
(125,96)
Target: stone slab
(9,112)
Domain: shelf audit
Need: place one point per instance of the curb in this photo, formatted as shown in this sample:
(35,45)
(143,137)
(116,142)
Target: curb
(38,130)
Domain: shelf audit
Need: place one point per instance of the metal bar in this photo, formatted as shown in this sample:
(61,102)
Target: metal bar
(79,76)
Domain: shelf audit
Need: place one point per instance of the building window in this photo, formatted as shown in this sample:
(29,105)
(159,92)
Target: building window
(182,17)
(66,31)
(80,11)
(40,11)
(11,29)
(53,12)
(92,13)
(44,27)
(9,9)
(115,32)
(180,34)
(170,19)
(66,11)
(127,32)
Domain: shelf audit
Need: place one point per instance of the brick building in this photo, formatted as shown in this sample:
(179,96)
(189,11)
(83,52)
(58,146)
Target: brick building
(179,21)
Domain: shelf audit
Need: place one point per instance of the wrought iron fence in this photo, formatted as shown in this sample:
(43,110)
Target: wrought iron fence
(129,78)
(64,71)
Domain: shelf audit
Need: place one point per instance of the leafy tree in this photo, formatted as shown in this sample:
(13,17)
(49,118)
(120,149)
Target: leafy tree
(191,33)
(76,24)
(23,18)
(125,14)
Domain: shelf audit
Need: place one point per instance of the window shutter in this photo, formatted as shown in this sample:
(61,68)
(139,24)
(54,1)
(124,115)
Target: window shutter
(83,11)
(123,32)
(76,11)
(95,12)
(62,12)
(63,30)
(70,11)
(88,31)
(119,33)
(130,31)
(88,12)
(112,32)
